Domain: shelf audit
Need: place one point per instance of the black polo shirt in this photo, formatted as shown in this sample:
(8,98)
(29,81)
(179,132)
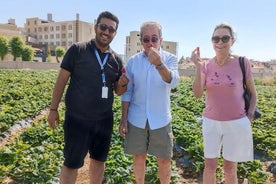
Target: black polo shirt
(83,97)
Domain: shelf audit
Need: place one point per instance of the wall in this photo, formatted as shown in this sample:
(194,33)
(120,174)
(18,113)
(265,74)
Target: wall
(56,66)
(29,65)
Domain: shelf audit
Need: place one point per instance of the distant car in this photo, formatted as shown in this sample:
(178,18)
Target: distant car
(39,56)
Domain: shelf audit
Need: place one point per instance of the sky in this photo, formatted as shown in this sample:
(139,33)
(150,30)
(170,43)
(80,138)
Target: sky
(190,23)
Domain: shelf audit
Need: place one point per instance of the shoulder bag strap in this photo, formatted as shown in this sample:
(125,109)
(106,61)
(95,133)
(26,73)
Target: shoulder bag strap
(241,61)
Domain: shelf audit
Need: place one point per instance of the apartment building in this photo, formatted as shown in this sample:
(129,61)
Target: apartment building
(10,29)
(54,34)
(133,45)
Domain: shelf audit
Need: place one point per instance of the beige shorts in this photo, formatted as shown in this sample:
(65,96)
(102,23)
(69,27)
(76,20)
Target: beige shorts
(157,142)
(234,137)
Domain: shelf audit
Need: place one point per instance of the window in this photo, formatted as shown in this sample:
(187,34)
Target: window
(57,28)
(63,28)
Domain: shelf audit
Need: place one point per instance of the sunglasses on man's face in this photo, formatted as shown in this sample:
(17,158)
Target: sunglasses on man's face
(147,39)
(104,27)
(224,39)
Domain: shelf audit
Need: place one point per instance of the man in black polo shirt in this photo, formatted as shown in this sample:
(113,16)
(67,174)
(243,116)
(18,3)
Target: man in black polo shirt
(94,70)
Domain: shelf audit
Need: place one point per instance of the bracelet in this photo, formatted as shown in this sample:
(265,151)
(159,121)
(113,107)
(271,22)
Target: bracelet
(53,109)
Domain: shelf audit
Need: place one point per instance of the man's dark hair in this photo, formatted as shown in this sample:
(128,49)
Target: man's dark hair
(108,15)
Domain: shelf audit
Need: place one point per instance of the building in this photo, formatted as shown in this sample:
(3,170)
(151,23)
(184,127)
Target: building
(10,29)
(133,45)
(48,34)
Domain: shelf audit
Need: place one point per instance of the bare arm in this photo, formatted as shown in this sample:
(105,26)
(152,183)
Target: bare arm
(121,85)
(198,84)
(155,59)
(199,81)
(123,125)
(164,72)
(252,105)
(62,79)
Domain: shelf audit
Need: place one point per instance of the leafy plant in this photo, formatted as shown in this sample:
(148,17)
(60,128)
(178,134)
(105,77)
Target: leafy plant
(36,155)
(16,44)
(4,46)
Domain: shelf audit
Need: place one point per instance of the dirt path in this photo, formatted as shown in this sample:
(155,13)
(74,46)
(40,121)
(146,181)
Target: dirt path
(83,177)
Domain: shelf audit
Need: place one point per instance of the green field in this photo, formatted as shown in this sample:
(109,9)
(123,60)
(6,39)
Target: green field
(35,155)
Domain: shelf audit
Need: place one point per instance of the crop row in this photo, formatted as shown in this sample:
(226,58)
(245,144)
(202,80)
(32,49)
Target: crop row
(36,155)
(23,94)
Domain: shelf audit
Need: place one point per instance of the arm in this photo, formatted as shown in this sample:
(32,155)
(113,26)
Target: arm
(199,81)
(121,85)
(253,100)
(198,84)
(155,59)
(123,125)
(62,79)
(164,72)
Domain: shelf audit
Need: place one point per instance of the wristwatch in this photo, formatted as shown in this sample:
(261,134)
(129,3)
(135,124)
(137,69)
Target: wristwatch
(160,67)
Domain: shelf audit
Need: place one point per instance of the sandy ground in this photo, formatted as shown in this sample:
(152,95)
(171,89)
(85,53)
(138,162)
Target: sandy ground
(83,177)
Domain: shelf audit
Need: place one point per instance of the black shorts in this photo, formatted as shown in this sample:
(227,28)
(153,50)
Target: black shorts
(81,136)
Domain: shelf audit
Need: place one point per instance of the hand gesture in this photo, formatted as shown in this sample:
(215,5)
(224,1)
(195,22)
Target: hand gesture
(154,56)
(123,80)
(195,57)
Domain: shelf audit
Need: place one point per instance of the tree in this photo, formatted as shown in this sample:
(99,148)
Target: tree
(17,45)
(4,46)
(27,53)
(60,51)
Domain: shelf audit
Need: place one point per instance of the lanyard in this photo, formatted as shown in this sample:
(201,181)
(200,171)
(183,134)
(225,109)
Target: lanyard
(102,63)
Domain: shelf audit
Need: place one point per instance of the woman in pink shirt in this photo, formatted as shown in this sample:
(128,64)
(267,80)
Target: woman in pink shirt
(226,125)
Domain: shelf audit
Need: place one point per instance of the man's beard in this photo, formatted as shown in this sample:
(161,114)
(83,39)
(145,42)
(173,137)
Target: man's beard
(101,43)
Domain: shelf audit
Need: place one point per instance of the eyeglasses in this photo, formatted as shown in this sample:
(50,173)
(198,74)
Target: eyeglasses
(104,27)
(147,40)
(224,39)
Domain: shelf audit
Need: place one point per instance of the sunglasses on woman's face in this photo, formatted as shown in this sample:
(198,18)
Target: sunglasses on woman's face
(104,27)
(224,39)
(152,39)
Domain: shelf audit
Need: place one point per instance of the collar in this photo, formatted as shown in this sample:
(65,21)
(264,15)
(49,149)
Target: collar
(93,45)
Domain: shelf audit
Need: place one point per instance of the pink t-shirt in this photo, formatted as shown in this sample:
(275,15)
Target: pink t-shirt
(224,90)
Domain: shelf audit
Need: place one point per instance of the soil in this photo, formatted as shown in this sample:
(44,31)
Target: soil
(83,173)
(83,177)
(187,176)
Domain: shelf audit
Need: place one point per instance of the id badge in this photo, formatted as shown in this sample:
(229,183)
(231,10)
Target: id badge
(104,92)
